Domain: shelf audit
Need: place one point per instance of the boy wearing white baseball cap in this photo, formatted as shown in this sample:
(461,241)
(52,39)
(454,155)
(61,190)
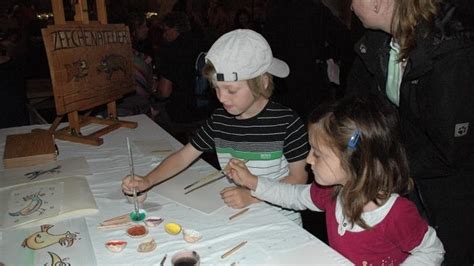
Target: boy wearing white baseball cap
(271,138)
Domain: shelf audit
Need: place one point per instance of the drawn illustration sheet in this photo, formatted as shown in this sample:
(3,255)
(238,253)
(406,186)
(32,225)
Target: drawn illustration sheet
(46,201)
(61,168)
(206,199)
(62,243)
(33,203)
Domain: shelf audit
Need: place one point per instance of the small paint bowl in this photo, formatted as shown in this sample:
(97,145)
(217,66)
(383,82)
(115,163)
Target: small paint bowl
(191,236)
(172,228)
(115,245)
(185,257)
(137,231)
(140,216)
(147,246)
(153,221)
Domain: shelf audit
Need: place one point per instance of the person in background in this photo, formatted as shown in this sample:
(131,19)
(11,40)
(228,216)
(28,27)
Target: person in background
(141,101)
(219,19)
(12,91)
(361,174)
(271,138)
(243,19)
(420,56)
(175,67)
(305,34)
(155,33)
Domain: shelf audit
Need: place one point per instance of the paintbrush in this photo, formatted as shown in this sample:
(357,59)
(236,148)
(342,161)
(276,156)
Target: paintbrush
(204,178)
(207,181)
(132,174)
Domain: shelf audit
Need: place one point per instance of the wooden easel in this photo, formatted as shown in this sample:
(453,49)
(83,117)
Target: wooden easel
(63,107)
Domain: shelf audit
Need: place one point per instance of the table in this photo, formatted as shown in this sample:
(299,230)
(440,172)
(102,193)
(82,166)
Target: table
(272,238)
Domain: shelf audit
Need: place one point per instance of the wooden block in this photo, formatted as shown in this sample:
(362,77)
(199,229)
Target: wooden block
(29,149)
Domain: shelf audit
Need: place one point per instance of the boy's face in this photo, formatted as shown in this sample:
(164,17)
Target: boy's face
(238,100)
(325,164)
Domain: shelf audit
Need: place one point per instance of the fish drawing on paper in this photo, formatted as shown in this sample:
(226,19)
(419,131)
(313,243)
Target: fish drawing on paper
(112,63)
(77,70)
(43,238)
(34,203)
(56,260)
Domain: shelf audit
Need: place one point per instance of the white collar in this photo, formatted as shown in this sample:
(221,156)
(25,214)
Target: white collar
(371,218)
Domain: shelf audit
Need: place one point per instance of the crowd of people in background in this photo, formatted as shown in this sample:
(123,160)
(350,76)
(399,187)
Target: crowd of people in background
(418,55)
(310,29)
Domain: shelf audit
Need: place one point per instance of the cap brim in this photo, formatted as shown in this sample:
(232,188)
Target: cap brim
(279,68)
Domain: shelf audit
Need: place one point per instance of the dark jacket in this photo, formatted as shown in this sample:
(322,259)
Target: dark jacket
(436,95)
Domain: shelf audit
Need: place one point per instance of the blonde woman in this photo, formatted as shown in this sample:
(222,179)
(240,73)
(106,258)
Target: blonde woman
(419,54)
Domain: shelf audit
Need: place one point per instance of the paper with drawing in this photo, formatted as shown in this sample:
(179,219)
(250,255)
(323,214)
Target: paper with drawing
(63,243)
(49,200)
(33,203)
(69,167)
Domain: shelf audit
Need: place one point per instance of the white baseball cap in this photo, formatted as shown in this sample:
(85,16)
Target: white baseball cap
(244,54)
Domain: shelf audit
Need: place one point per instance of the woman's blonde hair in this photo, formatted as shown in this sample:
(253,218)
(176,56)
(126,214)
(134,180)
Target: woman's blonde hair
(256,85)
(376,163)
(407,14)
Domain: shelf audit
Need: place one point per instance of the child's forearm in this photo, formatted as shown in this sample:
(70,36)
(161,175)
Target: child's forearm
(171,166)
(296,197)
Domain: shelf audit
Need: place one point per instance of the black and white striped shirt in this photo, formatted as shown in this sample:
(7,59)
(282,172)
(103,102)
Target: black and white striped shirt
(269,140)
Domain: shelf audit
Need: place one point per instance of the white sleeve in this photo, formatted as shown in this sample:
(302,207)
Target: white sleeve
(291,196)
(429,252)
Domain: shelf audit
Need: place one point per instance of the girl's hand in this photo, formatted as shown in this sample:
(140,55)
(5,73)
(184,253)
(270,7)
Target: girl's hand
(240,174)
(237,197)
(139,183)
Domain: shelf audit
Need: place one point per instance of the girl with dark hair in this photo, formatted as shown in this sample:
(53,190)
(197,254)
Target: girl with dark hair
(361,173)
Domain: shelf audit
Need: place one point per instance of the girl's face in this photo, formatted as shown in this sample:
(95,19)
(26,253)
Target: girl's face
(237,99)
(325,164)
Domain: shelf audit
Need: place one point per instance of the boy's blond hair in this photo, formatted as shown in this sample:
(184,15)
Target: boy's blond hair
(256,85)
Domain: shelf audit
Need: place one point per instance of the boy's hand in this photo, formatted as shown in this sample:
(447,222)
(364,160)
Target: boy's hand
(237,197)
(240,174)
(138,182)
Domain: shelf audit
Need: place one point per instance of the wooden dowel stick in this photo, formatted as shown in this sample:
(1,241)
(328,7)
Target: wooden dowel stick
(238,214)
(234,249)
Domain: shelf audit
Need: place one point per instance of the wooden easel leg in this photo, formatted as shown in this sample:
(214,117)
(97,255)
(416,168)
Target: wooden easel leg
(56,122)
(58,11)
(101,11)
(82,13)
(75,127)
(112,110)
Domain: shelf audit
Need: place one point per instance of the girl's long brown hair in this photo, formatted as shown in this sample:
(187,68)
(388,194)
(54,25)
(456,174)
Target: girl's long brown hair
(377,166)
(407,14)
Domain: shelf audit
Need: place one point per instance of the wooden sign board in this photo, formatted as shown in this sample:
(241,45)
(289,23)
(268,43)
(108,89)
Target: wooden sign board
(90,64)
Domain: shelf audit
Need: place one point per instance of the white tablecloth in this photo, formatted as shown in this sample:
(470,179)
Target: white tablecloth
(272,238)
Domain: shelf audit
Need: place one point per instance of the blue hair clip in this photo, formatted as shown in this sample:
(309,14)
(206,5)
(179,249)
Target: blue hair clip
(354,140)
